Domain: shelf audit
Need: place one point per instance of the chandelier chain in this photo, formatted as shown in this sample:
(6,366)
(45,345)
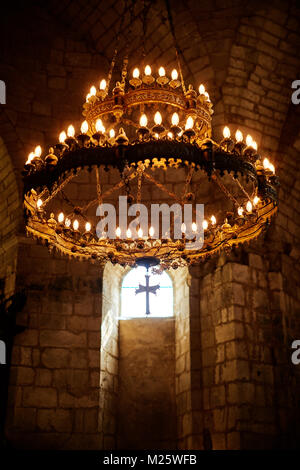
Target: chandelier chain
(99,189)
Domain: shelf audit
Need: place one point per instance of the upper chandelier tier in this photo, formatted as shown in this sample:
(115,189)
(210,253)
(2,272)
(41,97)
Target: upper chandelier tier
(142,125)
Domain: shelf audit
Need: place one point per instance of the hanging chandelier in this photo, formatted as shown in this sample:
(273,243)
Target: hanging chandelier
(145,125)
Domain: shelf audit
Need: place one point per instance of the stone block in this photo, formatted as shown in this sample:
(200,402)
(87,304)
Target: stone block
(25,418)
(240,272)
(62,338)
(43,377)
(91,421)
(56,358)
(54,420)
(40,397)
(27,338)
(219,419)
(229,332)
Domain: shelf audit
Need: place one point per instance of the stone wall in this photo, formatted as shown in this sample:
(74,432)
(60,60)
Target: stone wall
(54,380)
(146,401)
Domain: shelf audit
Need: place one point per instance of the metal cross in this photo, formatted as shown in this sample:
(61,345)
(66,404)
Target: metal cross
(149,290)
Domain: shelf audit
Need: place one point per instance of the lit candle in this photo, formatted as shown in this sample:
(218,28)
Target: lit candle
(249,206)
(62,137)
(148,70)
(238,136)
(84,127)
(226,132)
(60,217)
(175,119)
(71,131)
(143,120)
(102,85)
(174,74)
(189,123)
(157,118)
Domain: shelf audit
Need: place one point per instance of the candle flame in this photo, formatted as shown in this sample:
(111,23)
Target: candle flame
(157,118)
(174,74)
(84,127)
(136,73)
(71,131)
(226,132)
(175,119)
(143,120)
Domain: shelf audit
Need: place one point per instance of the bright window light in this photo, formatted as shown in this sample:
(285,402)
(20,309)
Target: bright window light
(134,305)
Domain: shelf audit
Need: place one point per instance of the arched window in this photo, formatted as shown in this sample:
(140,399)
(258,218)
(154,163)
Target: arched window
(136,289)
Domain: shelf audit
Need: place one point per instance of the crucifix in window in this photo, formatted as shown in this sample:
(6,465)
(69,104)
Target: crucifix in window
(148,289)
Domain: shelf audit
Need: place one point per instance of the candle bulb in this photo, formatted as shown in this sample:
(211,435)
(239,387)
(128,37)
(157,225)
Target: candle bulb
(61,217)
(70,140)
(162,79)
(71,131)
(227,143)
(174,83)
(158,128)
(201,89)
(99,134)
(147,78)
(83,138)
(39,204)
(140,233)
(213,220)
(38,151)
(135,80)
(102,85)
(84,127)
(175,129)
(226,132)
(143,132)
(143,120)
(62,137)
(30,158)
(75,225)
(189,132)
(151,231)
(250,151)
(157,118)
(249,206)
(128,233)
(62,146)
(239,145)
